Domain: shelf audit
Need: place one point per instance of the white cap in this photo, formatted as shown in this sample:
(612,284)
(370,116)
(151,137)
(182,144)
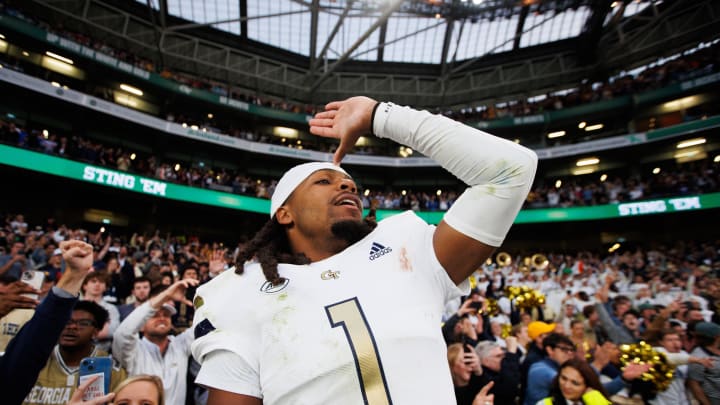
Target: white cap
(170,308)
(293,177)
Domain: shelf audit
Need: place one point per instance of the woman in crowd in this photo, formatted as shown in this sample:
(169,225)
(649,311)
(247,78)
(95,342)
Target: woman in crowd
(142,389)
(576,383)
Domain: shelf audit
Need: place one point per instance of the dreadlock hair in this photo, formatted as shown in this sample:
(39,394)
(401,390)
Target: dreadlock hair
(271,246)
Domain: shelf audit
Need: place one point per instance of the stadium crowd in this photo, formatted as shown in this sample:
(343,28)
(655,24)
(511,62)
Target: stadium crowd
(691,178)
(665,295)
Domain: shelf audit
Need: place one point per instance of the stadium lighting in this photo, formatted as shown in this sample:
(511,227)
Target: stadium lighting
(556,134)
(656,170)
(558,184)
(717,159)
(585,170)
(131,89)
(367,192)
(60,58)
(588,161)
(582,124)
(614,247)
(691,142)
(593,127)
(603,177)
(2,36)
(286,132)
(686,154)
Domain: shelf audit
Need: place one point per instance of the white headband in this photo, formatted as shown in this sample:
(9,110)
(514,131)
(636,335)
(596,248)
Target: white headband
(293,177)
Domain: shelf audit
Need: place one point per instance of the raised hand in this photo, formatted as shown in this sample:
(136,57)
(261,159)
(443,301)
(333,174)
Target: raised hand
(176,292)
(345,120)
(78,257)
(217,261)
(482,397)
(76,398)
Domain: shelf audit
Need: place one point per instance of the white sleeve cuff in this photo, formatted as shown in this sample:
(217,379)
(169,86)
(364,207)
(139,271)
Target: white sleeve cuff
(226,371)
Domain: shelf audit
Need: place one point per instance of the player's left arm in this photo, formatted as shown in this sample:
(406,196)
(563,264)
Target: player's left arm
(499,173)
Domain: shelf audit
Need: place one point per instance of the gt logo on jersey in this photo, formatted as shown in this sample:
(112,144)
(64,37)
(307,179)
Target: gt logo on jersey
(330,275)
(269,288)
(377,250)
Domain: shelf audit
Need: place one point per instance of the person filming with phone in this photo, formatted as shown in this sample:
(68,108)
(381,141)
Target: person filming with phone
(59,379)
(28,352)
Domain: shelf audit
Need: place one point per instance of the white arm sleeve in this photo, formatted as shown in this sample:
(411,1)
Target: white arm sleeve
(499,172)
(226,371)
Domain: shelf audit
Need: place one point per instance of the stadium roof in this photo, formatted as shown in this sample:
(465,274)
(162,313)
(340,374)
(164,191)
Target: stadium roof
(414,31)
(418,52)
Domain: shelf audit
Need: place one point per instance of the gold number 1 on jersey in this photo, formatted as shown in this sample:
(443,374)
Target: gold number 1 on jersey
(350,316)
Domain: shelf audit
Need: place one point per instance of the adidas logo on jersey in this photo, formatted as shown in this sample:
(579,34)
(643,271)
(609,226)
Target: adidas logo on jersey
(377,250)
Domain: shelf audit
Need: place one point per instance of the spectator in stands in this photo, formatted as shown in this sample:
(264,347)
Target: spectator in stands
(61,373)
(671,344)
(14,262)
(158,352)
(558,348)
(93,289)
(703,381)
(576,383)
(53,269)
(537,332)
(465,371)
(140,294)
(28,352)
(502,367)
(141,389)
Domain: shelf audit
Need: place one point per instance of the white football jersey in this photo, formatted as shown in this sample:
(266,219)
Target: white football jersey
(363,326)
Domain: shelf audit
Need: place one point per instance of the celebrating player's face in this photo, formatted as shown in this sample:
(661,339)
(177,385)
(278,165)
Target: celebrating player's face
(324,198)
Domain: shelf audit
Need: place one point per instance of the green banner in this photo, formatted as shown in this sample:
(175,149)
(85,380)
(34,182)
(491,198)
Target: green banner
(125,181)
(53,165)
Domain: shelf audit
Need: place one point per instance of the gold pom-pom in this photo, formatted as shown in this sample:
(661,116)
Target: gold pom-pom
(492,308)
(525,297)
(661,371)
(506,329)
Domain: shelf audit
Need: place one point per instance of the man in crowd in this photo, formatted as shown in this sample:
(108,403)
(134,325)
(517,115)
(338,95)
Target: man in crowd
(502,367)
(158,352)
(14,262)
(704,382)
(58,380)
(308,318)
(140,294)
(29,351)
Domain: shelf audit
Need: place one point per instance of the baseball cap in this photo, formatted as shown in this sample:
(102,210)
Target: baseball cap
(170,308)
(707,329)
(537,328)
(57,251)
(293,177)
